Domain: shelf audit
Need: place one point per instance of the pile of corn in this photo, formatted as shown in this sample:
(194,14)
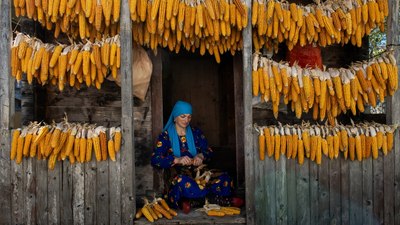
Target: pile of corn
(155,210)
(313,141)
(209,25)
(79,18)
(332,22)
(61,64)
(61,140)
(326,92)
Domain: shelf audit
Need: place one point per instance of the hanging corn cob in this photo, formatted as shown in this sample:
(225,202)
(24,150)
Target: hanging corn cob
(327,92)
(62,65)
(355,141)
(60,141)
(327,23)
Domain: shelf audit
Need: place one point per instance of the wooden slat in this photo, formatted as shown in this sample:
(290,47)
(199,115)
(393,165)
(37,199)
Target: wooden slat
(248,120)
(30,189)
(114,180)
(388,181)
(53,192)
(260,190)
(66,193)
(334,190)
(393,117)
(291,189)
(102,196)
(367,192)
(18,201)
(281,192)
(270,184)
(345,190)
(6,102)
(323,192)
(128,198)
(41,192)
(303,194)
(78,202)
(157,110)
(355,192)
(90,191)
(377,166)
(314,192)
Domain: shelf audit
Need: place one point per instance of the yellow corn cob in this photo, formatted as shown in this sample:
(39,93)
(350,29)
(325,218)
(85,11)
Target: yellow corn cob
(14,143)
(300,152)
(111,151)
(261,142)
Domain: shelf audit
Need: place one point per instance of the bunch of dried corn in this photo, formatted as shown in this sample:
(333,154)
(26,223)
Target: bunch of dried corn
(155,210)
(219,211)
(313,141)
(327,92)
(60,65)
(84,18)
(209,25)
(332,22)
(64,140)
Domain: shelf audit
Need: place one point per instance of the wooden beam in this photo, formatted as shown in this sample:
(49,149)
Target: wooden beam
(391,168)
(6,110)
(127,159)
(248,120)
(239,131)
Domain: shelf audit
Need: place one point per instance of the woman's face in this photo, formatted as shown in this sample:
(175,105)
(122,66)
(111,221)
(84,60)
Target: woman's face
(183,120)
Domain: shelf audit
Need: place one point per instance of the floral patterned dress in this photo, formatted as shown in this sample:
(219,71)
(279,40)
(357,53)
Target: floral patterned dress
(181,178)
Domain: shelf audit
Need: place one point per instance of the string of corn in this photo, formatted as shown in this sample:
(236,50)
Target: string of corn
(327,93)
(355,141)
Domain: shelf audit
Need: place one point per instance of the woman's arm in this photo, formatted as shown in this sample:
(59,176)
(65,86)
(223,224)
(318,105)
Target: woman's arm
(162,156)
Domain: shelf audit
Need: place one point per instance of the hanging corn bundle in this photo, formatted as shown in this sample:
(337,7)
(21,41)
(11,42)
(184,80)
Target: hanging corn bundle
(356,141)
(87,19)
(327,93)
(212,26)
(63,140)
(327,23)
(62,65)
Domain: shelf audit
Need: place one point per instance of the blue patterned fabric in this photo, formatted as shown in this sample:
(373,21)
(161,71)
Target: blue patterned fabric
(183,185)
(180,108)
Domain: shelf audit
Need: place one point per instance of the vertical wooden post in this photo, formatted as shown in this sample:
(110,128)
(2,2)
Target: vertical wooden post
(127,159)
(248,119)
(6,102)
(393,117)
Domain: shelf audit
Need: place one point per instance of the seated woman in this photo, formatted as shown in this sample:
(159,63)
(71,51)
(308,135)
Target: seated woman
(180,149)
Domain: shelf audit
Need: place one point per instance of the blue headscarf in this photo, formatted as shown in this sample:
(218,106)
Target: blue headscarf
(180,108)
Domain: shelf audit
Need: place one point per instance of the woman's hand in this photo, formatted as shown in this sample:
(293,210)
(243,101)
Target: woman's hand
(184,161)
(198,159)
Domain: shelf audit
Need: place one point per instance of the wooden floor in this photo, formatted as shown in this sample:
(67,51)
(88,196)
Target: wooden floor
(196,217)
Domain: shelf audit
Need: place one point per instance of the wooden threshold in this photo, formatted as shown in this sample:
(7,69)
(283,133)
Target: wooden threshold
(195,217)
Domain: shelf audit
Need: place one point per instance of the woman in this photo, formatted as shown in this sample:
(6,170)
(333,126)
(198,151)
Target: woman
(181,149)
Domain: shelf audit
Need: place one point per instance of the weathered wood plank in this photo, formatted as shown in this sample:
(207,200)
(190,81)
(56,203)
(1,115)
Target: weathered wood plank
(41,192)
(314,191)
(377,168)
(270,184)
(303,194)
(260,190)
(102,196)
(345,190)
(238,98)
(388,185)
(53,192)
(291,189)
(393,107)
(323,192)
(355,193)
(281,191)
(248,120)
(78,200)
(334,191)
(6,102)
(367,192)
(18,201)
(128,198)
(90,192)
(30,189)
(66,193)
(114,180)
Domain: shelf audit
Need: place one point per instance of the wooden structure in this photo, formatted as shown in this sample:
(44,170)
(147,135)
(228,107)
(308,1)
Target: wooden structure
(338,192)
